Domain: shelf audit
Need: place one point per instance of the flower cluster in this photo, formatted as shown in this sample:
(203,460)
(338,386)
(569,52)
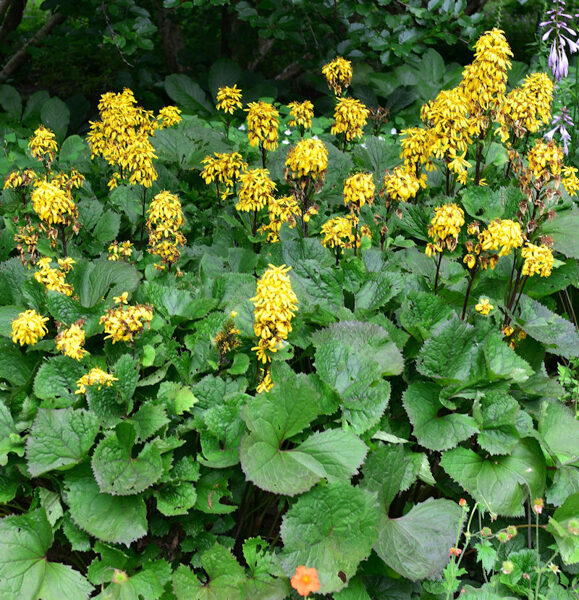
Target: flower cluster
(281,210)
(308,158)
(545,160)
(484,81)
(121,137)
(54,279)
(164,223)
(96,377)
(445,227)
(350,116)
(559,24)
(262,125)
(228,336)
(402,183)
(416,143)
(275,305)
(224,169)
(526,107)
(53,203)
(501,233)
(561,121)
(43,144)
(18,179)
(359,189)
(538,260)
(338,74)
(123,322)
(71,341)
(28,328)
(570,180)
(301,114)
(229,99)
(122,251)
(340,232)
(255,191)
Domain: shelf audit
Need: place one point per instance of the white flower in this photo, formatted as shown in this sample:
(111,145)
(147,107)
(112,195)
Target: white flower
(287,132)
(393,131)
(285,141)
(241,127)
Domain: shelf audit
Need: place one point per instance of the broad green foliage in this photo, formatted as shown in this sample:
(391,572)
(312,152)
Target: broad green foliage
(394,409)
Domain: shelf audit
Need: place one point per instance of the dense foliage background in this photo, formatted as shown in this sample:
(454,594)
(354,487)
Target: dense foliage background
(408,428)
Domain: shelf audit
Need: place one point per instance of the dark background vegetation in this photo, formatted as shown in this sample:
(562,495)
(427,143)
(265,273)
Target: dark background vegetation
(77,49)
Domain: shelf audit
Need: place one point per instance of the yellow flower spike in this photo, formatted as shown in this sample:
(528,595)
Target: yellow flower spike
(350,116)
(255,191)
(262,125)
(308,158)
(43,144)
(538,260)
(403,184)
(446,223)
(501,233)
(28,328)
(229,99)
(301,114)
(96,377)
(338,74)
(71,341)
(359,189)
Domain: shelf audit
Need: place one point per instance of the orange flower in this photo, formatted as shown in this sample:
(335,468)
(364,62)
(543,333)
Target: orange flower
(305,580)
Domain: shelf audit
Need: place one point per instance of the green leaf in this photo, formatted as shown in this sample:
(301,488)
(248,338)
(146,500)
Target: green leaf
(92,280)
(10,440)
(15,367)
(486,554)
(559,335)
(56,379)
(188,94)
(432,430)
(560,526)
(364,408)
(483,203)
(59,438)
(24,571)
(223,72)
(503,362)
(383,473)
(176,498)
(500,483)
(451,355)
(331,528)
(114,519)
(118,472)
(10,101)
(127,371)
(148,420)
(56,116)
(422,312)
(148,583)
(559,430)
(563,230)
(226,578)
(352,355)
(107,228)
(416,545)
(565,483)
(498,413)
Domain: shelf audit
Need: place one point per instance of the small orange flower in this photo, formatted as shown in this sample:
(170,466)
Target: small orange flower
(305,580)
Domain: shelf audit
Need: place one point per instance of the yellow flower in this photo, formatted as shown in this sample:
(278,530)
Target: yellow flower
(255,191)
(123,322)
(28,328)
(18,179)
(538,260)
(470,260)
(169,116)
(223,169)
(302,114)
(52,204)
(484,306)
(229,99)
(281,210)
(308,158)
(505,234)
(484,81)
(120,251)
(570,180)
(43,144)
(417,143)
(359,189)
(54,279)
(339,232)
(446,223)
(350,116)
(545,160)
(265,384)
(96,377)
(71,341)
(338,74)
(275,306)
(402,184)
(262,125)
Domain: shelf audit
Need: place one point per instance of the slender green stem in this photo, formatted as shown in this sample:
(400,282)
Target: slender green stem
(467,295)
(437,273)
